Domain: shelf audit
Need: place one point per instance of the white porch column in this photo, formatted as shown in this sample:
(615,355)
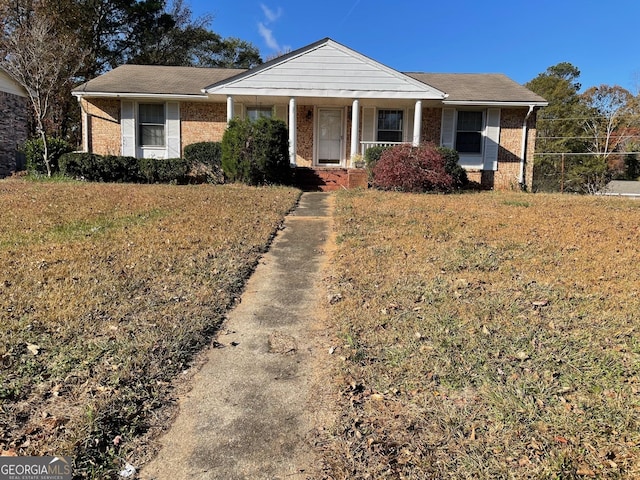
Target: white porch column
(292,131)
(417,123)
(355,124)
(229,108)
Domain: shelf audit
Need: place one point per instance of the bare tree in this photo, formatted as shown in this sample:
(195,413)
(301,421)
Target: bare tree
(610,125)
(38,58)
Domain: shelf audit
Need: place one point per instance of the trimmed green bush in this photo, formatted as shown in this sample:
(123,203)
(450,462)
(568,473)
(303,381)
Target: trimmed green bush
(256,153)
(99,168)
(33,150)
(371,157)
(165,170)
(206,162)
(453,168)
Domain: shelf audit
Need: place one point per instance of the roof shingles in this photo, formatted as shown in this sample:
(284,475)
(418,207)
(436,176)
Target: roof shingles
(164,80)
(156,79)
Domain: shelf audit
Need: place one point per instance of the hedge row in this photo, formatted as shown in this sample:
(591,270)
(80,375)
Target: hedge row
(201,164)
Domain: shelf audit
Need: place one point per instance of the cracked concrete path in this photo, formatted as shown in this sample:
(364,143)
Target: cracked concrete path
(253,406)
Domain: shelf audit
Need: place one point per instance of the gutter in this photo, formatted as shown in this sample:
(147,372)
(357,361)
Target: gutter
(523,152)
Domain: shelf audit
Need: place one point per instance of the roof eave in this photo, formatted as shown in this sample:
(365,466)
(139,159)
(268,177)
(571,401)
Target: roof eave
(495,103)
(319,92)
(163,96)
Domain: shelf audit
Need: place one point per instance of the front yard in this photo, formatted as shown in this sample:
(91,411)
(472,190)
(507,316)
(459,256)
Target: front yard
(487,335)
(106,293)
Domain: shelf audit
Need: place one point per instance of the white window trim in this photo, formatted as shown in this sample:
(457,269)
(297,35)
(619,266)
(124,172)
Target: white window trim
(404,123)
(139,124)
(483,132)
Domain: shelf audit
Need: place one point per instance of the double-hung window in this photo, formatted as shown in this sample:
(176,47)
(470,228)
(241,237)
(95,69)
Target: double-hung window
(151,122)
(469,132)
(390,125)
(254,113)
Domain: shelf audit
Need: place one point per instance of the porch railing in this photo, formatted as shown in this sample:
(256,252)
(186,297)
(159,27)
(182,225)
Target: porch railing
(364,146)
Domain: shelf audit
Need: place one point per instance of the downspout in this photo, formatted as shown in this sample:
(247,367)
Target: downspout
(523,152)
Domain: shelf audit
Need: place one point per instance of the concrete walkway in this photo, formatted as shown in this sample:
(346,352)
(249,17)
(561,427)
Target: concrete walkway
(248,415)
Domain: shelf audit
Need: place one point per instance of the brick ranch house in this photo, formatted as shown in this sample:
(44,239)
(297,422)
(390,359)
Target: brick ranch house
(336,102)
(14,122)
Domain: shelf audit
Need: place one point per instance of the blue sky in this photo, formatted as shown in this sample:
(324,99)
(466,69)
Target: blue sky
(519,38)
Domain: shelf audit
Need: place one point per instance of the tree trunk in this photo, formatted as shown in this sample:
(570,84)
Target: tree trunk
(45,150)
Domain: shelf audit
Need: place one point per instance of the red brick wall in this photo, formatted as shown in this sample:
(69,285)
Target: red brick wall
(304,135)
(202,122)
(103,125)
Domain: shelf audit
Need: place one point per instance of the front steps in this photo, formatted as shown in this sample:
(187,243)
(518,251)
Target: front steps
(327,179)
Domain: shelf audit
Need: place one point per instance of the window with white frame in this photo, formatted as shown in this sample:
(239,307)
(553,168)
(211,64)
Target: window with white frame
(254,113)
(151,124)
(469,131)
(390,125)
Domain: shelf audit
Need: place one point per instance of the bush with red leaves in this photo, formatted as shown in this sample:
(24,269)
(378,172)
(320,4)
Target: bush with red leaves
(412,169)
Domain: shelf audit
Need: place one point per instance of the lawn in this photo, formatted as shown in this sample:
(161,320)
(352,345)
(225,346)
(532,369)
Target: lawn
(106,293)
(488,335)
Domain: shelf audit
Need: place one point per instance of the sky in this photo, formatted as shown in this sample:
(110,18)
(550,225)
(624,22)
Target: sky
(519,38)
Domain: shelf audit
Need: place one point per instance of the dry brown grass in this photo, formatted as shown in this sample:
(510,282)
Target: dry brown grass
(106,293)
(486,335)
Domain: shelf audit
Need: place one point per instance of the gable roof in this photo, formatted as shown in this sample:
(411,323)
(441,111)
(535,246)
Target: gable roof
(322,69)
(487,88)
(155,80)
(326,69)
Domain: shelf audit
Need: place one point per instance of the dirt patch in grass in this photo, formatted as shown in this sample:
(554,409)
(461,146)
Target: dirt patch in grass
(487,335)
(106,294)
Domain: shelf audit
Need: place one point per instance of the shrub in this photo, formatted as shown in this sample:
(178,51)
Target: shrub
(164,170)
(256,153)
(206,162)
(412,169)
(453,168)
(371,157)
(33,150)
(98,168)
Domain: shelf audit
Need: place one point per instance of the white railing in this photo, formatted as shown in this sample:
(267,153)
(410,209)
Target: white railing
(364,146)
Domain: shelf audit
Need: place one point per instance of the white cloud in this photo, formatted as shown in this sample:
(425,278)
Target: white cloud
(267,35)
(270,14)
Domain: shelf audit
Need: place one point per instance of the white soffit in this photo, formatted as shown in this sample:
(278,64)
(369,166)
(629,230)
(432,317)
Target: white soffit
(326,69)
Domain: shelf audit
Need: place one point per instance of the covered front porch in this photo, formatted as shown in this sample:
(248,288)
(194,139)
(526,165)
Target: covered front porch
(336,102)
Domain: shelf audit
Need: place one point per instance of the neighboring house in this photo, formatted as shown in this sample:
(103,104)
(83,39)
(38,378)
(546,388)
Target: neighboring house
(336,102)
(14,122)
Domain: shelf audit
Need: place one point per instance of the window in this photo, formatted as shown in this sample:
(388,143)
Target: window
(390,125)
(469,132)
(151,123)
(254,113)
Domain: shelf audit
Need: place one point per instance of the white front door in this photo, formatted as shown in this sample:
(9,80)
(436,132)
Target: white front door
(330,135)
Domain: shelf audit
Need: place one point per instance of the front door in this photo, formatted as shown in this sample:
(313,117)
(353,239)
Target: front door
(330,134)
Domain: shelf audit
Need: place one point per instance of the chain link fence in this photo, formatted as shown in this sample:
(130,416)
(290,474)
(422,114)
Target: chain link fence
(585,173)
